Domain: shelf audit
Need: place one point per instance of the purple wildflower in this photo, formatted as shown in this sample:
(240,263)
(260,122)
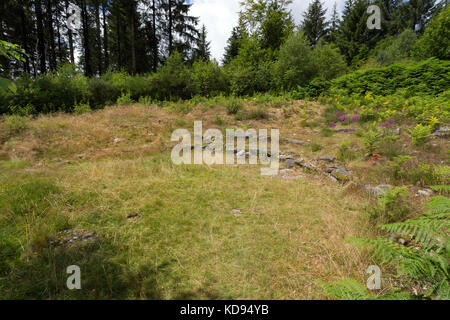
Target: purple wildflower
(333,124)
(355,118)
(389,124)
(341,118)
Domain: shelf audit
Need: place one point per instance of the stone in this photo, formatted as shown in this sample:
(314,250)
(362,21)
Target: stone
(286,171)
(327,158)
(292,177)
(70,237)
(425,193)
(295,141)
(117,140)
(378,190)
(341,174)
(283,157)
(236,212)
(443,132)
(290,163)
(308,166)
(344,130)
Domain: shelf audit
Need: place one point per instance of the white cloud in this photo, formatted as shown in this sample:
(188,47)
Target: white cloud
(220,16)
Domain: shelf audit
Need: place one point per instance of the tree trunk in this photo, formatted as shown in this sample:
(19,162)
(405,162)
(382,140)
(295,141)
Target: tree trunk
(40,41)
(155,42)
(170,28)
(26,65)
(133,42)
(86,42)
(99,37)
(51,34)
(70,35)
(105,36)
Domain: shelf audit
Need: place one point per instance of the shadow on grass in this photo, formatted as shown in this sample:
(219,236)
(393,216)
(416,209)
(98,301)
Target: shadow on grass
(104,273)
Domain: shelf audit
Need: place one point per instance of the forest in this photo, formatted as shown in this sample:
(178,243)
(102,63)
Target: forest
(91,91)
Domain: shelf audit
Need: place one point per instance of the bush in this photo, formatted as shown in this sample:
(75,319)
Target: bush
(396,49)
(423,267)
(420,133)
(436,40)
(82,108)
(125,99)
(209,79)
(330,63)
(234,105)
(173,80)
(392,206)
(430,77)
(296,63)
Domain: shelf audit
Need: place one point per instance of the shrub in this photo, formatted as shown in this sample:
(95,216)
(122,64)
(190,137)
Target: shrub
(173,80)
(420,133)
(436,40)
(296,64)
(125,99)
(82,108)
(234,105)
(392,205)
(330,63)
(16,124)
(424,267)
(397,49)
(208,78)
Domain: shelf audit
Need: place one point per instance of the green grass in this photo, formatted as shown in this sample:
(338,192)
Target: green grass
(186,243)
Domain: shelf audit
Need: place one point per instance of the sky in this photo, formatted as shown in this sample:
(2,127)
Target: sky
(220,16)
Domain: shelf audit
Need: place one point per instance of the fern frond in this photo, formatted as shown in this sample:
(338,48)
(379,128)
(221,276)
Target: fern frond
(428,231)
(443,189)
(347,290)
(416,264)
(438,205)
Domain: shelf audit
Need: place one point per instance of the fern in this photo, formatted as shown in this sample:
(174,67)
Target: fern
(426,264)
(442,189)
(346,290)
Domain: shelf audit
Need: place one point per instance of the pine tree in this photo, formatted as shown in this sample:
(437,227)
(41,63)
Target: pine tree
(234,43)
(334,25)
(180,30)
(354,38)
(314,24)
(203,51)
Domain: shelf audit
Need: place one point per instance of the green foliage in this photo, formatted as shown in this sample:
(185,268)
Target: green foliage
(345,153)
(125,99)
(426,77)
(208,78)
(16,124)
(31,198)
(390,51)
(234,105)
(425,264)
(173,80)
(82,108)
(436,40)
(346,290)
(420,133)
(392,205)
(295,65)
(329,61)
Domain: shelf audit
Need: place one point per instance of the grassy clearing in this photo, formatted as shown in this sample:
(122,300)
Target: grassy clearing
(166,231)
